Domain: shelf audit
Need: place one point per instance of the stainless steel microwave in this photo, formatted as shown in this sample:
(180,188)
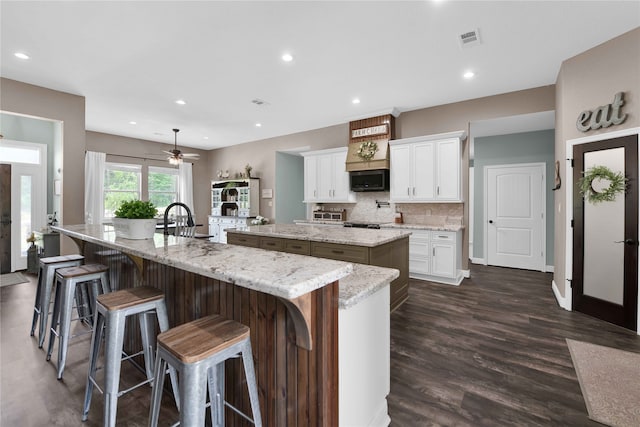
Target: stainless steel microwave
(371,180)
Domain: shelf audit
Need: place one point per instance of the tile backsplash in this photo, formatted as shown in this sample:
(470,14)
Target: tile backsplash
(366,209)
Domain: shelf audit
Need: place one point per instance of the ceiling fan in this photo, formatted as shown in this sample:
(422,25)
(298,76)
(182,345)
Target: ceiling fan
(175,155)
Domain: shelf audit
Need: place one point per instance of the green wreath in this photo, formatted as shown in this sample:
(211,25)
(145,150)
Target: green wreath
(367,150)
(618,184)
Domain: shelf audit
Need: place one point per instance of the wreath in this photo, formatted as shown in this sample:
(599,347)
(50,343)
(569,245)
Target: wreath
(367,150)
(617,184)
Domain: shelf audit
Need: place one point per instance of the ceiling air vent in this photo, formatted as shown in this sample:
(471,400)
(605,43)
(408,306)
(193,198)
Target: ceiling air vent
(470,38)
(259,102)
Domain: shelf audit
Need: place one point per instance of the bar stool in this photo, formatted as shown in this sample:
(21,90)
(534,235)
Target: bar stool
(46,276)
(68,279)
(198,350)
(112,309)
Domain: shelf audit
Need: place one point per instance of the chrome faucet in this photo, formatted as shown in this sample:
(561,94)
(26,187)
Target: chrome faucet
(190,222)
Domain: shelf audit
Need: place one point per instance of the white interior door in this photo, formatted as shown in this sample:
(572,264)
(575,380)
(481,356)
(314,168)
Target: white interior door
(515,211)
(28,194)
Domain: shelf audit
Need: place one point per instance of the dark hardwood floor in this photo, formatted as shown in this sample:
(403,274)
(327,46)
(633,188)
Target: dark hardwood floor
(489,352)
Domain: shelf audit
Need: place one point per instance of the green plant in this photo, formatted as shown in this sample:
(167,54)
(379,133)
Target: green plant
(136,209)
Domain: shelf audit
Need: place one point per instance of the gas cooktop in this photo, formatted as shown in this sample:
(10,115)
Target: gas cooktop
(362,224)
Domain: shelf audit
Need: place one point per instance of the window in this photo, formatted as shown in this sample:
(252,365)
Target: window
(121,182)
(163,186)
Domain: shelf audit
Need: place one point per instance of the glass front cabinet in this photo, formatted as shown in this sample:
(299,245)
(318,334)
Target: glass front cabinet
(238,197)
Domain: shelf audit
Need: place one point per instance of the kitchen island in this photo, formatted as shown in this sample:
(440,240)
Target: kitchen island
(384,248)
(292,304)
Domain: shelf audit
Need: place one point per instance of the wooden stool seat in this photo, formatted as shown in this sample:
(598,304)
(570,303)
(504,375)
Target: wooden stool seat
(198,340)
(81,270)
(129,297)
(61,259)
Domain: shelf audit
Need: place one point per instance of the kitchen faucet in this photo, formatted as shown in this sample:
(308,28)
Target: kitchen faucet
(190,222)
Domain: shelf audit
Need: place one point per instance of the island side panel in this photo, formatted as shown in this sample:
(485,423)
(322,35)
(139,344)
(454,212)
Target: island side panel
(297,387)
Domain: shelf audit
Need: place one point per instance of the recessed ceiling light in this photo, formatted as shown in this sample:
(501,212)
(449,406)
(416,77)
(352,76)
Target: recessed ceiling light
(287,57)
(180,102)
(206,137)
(133,123)
(21,55)
(258,125)
(469,75)
(355,101)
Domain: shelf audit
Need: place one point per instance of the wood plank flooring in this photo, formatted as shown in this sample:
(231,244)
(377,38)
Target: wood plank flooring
(489,352)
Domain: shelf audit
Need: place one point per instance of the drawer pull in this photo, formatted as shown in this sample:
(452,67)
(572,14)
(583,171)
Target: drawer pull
(335,251)
(270,244)
(296,246)
(443,237)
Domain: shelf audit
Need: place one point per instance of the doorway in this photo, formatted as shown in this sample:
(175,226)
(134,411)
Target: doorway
(28,199)
(515,215)
(605,234)
(290,184)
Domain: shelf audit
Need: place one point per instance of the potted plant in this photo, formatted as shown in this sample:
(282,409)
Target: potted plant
(135,219)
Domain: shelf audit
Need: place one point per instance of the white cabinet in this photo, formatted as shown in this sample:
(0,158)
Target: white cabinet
(238,197)
(218,227)
(426,169)
(435,256)
(325,177)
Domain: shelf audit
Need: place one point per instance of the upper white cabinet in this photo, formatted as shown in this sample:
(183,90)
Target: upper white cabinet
(325,177)
(427,168)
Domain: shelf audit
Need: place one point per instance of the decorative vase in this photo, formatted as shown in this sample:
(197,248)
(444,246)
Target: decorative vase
(134,229)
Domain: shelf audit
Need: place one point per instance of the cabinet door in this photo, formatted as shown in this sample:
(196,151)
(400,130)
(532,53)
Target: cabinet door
(341,190)
(443,259)
(310,178)
(448,170)
(400,174)
(423,171)
(214,232)
(324,177)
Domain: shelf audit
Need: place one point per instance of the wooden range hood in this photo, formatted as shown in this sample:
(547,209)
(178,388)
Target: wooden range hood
(379,129)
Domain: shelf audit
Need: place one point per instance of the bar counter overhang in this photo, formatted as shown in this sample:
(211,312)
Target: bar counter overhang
(289,302)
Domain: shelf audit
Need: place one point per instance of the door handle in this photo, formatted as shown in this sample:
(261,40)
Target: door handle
(627,241)
(490,221)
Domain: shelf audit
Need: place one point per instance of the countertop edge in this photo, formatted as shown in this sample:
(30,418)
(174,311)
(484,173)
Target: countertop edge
(364,281)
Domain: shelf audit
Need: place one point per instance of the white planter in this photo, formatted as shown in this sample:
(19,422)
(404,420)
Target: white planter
(135,229)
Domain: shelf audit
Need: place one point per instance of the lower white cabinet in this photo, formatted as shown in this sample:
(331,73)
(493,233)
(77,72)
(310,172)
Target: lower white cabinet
(435,256)
(218,226)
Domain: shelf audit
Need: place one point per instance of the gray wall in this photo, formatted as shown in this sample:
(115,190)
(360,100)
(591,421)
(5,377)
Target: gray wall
(290,189)
(28,129)
(529,147)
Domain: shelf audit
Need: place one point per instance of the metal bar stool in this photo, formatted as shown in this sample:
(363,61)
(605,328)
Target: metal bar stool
(198,350)
(112,311)
(46,276)
(68,279)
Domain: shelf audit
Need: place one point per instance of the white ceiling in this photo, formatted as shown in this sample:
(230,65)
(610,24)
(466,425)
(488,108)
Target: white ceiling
(133,60)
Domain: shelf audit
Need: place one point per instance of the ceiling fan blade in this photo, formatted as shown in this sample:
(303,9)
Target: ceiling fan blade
(167,152)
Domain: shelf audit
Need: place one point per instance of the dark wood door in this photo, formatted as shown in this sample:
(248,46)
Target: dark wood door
(5,218)
(605,242)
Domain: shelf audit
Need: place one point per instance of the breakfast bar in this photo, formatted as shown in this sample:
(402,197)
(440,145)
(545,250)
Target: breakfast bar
(321,348)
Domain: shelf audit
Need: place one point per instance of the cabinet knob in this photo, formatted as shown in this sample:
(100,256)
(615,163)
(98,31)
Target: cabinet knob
(490,221)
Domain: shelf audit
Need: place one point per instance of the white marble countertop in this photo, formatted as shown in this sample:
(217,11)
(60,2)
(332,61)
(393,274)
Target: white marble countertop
(364,281)
(391,225)
(276,273)
(341,235)
(435,227)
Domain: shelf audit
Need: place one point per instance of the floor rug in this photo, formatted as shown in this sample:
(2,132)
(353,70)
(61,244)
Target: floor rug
(610,382)
(12,279)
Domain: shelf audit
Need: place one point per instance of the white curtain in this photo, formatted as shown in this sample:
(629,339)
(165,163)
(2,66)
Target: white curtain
(185,184)
(94,166)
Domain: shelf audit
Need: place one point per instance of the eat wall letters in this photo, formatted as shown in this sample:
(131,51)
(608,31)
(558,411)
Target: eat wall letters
(604,116)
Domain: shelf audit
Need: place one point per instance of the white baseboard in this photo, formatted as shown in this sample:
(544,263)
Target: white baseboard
(549,269)
(562,301)
(478,261)
(381,418)
(466,273)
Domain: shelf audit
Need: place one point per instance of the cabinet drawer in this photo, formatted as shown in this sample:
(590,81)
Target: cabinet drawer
(243,240)
(420,249)
(272,243)
(444,236)
(347,253)
(420,265)
(300,247)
